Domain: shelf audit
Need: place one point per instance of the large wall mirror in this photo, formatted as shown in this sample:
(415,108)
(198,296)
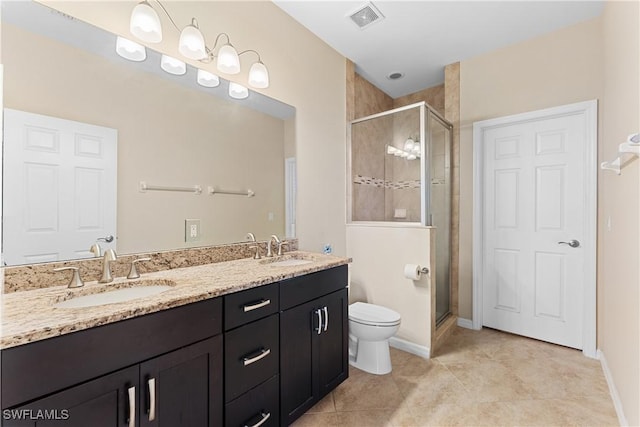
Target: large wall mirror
(70,101)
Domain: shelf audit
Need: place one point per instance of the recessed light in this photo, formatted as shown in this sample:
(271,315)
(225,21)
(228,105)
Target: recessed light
(395,76)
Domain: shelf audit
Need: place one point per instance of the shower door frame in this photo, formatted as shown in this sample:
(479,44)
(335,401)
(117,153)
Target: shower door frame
(424,166)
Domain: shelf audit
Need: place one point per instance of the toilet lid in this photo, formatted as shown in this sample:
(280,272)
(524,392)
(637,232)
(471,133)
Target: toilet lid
(372,314)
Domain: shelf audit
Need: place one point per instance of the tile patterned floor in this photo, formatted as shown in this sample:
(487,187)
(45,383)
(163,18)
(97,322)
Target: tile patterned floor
(478,378)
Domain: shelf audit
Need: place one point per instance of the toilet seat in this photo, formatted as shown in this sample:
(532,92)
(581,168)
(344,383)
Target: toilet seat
(374,315)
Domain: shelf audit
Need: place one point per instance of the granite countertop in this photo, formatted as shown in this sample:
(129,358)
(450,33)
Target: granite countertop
(29,316)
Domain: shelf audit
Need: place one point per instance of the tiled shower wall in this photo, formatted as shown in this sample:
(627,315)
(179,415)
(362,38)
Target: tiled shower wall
(364,99)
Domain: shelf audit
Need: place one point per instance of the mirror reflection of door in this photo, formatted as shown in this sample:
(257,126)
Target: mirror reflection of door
(59,188)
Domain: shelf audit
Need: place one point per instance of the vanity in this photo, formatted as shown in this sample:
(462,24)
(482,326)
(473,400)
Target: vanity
(235,343)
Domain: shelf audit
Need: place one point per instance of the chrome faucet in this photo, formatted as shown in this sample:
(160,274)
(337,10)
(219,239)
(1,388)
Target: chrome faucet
(76,281)
(251,237)
(107,259)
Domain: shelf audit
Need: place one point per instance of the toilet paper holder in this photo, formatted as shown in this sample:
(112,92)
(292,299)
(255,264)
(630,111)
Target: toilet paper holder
(424,270)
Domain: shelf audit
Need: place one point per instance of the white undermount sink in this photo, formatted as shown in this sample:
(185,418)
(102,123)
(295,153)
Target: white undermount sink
(112,297)
(290,262)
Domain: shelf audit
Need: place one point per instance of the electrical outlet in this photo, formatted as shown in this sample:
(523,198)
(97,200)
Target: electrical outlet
(191,230)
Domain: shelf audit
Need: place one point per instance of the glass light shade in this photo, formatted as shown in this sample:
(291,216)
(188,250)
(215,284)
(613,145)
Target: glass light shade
(228,60)
(145,23)
(207,79)
(130,50)
(390,149)
(416,148)
(172,65)
(238,91)
(411,157)
(191,43)
(259,76)
(409,144)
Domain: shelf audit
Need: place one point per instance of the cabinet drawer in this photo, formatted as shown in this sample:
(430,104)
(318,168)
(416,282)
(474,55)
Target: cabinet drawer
(252,355)
(298,290)
(252,304)
(255,405)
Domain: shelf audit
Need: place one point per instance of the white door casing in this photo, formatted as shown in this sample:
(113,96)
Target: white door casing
(60,188)
(534,186)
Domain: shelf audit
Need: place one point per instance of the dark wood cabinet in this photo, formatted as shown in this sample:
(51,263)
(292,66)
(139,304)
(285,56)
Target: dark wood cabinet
(314,352)
(184,387)
(285,346)
(258,406)
(180,388)
(109,401)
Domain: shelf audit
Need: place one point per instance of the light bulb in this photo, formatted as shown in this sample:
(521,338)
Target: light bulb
(228,60)
(411,157)
(207,79)
(409,144)
(130,50)
(238,91)
(258,75)
(191,43)
(172,65)
(145,23)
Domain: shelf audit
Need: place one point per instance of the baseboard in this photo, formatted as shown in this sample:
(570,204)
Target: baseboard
(465,323)
(410,347)
(617,403)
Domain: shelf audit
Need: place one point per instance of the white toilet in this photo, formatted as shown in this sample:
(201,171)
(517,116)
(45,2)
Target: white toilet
(370,327)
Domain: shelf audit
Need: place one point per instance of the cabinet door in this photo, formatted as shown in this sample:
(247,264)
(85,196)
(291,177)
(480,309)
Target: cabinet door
(299,387)
(103,402)
(184,387)
(333,342)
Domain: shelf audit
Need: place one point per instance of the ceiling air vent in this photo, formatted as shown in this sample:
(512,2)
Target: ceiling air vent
(366,15)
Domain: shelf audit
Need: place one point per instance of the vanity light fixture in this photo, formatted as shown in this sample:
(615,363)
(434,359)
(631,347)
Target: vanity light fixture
(410,151)
(207,79)
(172,65)
(130,50)
(191,43)
(237,91)
(228,60)
(145,24)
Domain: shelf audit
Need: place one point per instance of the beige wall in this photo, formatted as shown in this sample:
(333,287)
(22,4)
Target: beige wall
(559,68)
(168,134)
(619,200)
(304,72)
(379,254)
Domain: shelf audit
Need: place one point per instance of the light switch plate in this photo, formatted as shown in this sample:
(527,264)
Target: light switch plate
(191,230)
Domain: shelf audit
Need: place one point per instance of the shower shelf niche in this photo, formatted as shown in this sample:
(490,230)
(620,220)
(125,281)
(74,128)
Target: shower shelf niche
(626,152)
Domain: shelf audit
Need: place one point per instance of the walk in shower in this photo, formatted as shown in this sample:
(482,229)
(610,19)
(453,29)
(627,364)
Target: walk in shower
(401,173)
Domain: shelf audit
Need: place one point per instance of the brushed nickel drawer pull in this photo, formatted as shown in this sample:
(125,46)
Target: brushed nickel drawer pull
(152,398)
(326,318)
(264,419)
(132,406)
(261,304)
(319,313)
(263,353)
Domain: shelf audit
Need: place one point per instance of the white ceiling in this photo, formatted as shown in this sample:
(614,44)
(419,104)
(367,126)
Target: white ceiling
(418,38)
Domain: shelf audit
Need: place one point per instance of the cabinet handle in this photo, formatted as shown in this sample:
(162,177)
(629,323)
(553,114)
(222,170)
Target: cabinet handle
(132,406)
(326,318)
(319,313)
(152,398)
(263,353)
(263,420)
(261,304)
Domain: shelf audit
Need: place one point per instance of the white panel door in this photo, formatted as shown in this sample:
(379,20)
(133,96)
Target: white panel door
(59,188)
(533,199)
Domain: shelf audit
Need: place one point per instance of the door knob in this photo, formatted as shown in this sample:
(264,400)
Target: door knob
(573,243)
